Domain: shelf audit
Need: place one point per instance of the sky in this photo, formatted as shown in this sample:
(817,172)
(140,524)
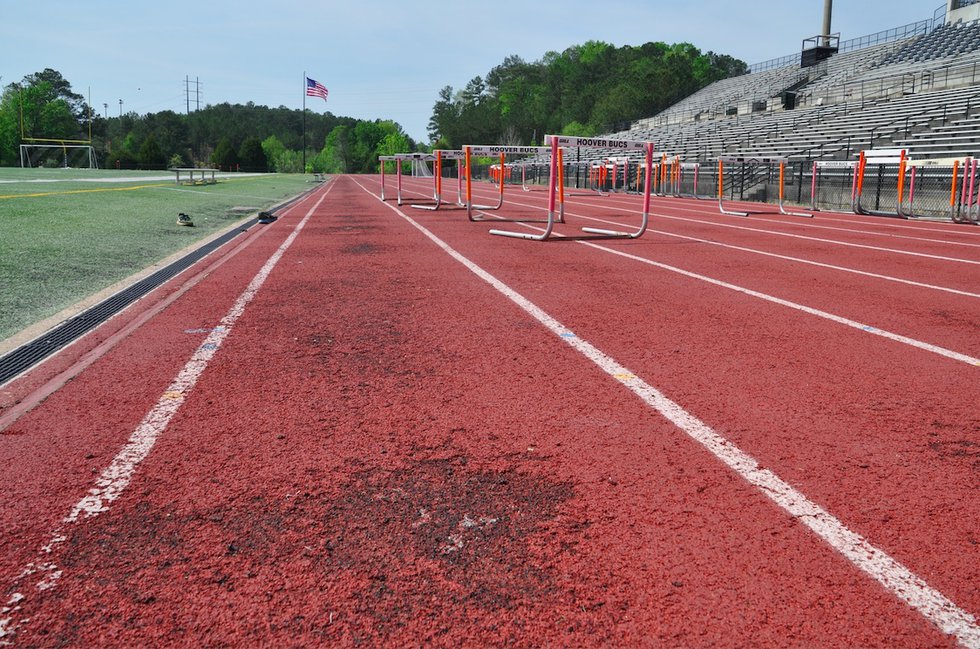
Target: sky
(380,59)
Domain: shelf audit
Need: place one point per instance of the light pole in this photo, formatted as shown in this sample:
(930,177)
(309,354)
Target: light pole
(120,107)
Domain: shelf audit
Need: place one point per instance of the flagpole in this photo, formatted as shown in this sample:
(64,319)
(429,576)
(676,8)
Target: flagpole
(304,121)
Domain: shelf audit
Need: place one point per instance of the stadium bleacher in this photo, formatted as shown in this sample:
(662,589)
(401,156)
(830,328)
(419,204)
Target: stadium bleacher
(914,88)
(919,90)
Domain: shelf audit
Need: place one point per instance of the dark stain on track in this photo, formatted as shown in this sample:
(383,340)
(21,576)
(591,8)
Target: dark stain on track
(418,546)
(471,528)
(958,449)
(360,249)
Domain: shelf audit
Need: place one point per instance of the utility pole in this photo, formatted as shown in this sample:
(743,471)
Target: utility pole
(187,92)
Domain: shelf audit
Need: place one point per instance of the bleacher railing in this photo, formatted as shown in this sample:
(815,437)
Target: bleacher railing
(886,36)
(906,83)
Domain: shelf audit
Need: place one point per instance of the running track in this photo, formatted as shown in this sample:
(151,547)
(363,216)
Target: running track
(371,425)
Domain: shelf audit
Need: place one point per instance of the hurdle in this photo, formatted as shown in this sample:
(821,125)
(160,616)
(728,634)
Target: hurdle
(763,160)
(668,177)
(680,168)
(556,188)
(782,192)
(882,157)
(819,165)
(598,177)
(590,189)
(524,175)
(438,156)
(962,210)
(501,151)
(399,158)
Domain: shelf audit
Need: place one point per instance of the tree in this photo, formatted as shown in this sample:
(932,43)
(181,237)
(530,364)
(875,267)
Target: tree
(443,125)
(337,155)
(151,156)
(251,156)
(59,88)
(392,143)
(224,156)
(593,87)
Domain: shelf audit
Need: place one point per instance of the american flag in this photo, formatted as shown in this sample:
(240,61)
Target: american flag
(315,89)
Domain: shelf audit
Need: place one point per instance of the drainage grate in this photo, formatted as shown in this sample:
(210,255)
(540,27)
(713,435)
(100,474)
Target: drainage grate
(30,354)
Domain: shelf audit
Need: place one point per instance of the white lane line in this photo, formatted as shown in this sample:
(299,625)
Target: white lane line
(829,217)
(116,477)
(912,342)
(843,269)
(891,574)
(835,242)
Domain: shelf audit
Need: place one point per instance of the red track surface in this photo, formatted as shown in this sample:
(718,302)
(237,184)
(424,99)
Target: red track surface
(387,450)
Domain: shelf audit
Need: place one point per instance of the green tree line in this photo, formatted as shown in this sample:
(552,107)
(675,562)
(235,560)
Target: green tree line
(586,90)
(246,137)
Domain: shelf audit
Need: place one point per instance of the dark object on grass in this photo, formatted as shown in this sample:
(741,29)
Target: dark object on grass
(183,219)
(267,217)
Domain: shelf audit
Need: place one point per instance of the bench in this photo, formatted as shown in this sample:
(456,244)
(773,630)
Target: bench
(192,176)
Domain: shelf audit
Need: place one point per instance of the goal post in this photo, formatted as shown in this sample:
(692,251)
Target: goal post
(35,153)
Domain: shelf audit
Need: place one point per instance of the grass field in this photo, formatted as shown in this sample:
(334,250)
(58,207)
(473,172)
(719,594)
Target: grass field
(66,234)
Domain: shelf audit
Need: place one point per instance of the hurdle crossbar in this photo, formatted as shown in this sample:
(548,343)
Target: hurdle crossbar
(556,198)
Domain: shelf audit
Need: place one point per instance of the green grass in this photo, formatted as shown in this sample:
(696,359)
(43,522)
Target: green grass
(64,237)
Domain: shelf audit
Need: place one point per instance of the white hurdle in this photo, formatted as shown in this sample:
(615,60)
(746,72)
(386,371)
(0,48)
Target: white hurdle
(500,151)
(833,164)
(399,158)
(439,155)
(763,160)
(556,189)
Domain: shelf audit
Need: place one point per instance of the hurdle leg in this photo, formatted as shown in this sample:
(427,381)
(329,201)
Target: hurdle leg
(721,192)
(782,191)
(552,200)
(645,219)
